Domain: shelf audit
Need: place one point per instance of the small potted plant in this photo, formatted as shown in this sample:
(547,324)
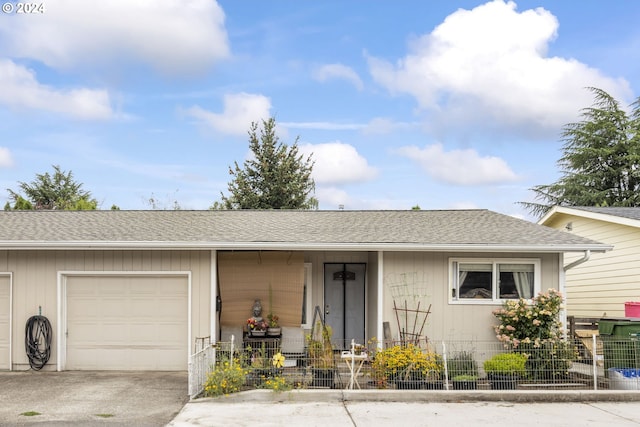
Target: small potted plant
(273,327)
(463,371)
(256,328)
(321,359)
(465,382)
(504,370)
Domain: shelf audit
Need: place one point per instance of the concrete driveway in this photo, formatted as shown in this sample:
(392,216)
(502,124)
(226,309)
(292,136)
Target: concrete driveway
(88,398)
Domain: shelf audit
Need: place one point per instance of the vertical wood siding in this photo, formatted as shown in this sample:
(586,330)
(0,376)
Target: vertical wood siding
(35,284)
(447,321)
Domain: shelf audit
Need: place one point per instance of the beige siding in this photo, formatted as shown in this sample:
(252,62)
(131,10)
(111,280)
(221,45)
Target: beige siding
(5,322)
(601,286)
(446,321)
(35,284)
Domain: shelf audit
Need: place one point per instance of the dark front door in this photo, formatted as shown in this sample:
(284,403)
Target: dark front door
(344,301)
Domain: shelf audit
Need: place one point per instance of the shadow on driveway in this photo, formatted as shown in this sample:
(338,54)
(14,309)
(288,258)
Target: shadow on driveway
(88,397)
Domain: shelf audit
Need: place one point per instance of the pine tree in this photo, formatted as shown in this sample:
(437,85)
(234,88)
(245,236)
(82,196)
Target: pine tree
(57,191)
(601,159)
(277,177)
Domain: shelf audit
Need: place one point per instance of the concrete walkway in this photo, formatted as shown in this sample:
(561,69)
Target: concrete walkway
(414,408)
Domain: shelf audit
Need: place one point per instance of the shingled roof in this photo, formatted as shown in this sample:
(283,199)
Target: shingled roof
(623,215)
(624,212)
(454,230)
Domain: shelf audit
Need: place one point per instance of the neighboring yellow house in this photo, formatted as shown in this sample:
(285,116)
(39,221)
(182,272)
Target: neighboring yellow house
(601,287)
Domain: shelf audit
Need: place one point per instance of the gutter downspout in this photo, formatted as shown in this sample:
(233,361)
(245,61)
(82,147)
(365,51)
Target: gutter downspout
(585,258)
(563,287)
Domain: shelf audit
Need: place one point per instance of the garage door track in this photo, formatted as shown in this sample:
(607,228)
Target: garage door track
(88,397)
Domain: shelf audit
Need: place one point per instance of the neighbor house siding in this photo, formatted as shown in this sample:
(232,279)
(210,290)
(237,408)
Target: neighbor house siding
(601,286)
(429,273)
(35,275)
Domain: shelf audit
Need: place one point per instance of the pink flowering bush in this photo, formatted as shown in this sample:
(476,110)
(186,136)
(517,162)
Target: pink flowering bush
(529,321)
(532,327)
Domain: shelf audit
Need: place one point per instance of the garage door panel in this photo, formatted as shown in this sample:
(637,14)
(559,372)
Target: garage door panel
(133,359)
(4,321)
(127,323)
(171,332)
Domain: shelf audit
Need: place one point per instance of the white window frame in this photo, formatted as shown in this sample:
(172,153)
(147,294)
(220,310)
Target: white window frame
(453,278)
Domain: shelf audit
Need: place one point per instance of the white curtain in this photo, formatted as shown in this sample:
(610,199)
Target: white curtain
(524,283)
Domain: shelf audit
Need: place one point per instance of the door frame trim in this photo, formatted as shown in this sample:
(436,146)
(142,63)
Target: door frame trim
(365,293)
(10,276)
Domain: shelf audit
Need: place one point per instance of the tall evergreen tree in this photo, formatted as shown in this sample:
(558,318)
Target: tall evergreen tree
(277,177)
(601,159)
(57,191)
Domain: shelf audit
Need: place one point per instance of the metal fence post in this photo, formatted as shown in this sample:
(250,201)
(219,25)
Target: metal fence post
(233,338)
(446,369)
(595,366)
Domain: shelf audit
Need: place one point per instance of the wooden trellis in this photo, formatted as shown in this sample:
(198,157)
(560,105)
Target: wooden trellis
(413,335)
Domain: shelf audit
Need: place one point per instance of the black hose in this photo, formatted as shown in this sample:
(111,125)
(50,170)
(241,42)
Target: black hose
(37,341)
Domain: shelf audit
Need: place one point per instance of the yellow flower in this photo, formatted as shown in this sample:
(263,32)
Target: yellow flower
(278,360)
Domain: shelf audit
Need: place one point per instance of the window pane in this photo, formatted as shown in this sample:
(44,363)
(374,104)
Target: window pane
(515,281)
(475,281)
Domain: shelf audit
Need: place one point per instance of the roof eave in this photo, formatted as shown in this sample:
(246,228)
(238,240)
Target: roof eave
(615,219)
(369,246)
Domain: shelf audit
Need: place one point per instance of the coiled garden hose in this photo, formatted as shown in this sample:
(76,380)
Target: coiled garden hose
(37,341)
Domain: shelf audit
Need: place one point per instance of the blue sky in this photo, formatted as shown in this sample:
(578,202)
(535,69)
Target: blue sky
(440,104)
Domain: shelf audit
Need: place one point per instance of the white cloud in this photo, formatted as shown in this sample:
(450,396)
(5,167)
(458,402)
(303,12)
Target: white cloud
(332,197)
(491,63)
(338,163)
(322,125)
(463,205)
(174,36)
(382,125)
(21,90)
(6,160)
(460,167)
(240,110)
(338,71)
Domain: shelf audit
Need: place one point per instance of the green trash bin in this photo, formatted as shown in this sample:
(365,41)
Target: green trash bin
(620,342)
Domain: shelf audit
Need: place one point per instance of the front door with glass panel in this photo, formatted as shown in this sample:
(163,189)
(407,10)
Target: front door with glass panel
(344,301)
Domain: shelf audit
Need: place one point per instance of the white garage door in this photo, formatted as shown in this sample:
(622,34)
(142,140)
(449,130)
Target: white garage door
(5,305)
(127,323)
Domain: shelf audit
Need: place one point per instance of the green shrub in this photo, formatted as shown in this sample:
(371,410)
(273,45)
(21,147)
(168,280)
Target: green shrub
(462,363)
(465,378)
(408,361)
(506,364)
(278,383)
(225,378)
(550,361)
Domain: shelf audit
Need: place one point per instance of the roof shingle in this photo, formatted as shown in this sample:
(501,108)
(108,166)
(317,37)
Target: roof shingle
(271,228)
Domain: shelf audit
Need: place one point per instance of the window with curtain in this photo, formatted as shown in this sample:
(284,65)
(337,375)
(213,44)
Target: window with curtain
(493,279)
(515,281)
